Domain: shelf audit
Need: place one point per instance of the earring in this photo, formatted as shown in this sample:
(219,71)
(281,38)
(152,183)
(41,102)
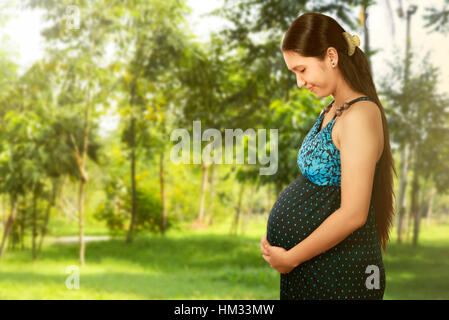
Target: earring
(333,64)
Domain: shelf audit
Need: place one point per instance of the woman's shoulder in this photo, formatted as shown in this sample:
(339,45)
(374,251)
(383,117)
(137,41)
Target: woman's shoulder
(364,119)
(362,110)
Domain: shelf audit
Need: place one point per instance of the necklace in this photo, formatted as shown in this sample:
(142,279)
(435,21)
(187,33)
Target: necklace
(345,105)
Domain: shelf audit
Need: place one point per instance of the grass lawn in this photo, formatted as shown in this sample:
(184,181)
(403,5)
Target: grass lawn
(203,264)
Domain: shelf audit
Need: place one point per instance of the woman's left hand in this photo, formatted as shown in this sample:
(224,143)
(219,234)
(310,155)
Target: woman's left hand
(277,257)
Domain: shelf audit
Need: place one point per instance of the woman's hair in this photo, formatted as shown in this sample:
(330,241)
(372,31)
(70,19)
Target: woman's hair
(310,35)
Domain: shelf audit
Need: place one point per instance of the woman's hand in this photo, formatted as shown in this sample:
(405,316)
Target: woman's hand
(277,257)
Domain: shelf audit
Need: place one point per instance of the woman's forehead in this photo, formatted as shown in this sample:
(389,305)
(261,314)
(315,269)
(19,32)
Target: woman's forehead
(295,60)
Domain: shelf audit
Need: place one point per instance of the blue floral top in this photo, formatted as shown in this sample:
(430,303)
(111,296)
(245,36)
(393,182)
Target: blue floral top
(318,157)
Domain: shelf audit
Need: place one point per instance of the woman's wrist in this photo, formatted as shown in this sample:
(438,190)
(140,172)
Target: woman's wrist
(292,258)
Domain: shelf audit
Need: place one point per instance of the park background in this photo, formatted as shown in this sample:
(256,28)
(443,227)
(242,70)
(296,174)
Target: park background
(91,90)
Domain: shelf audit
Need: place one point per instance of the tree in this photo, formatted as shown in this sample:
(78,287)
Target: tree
(418,116)
(79,54)
(438,18)
(150,45)
(256,33)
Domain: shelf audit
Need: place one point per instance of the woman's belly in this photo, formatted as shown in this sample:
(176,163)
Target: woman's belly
(300,208)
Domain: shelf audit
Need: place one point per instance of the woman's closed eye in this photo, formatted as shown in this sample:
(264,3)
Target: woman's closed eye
(294,70)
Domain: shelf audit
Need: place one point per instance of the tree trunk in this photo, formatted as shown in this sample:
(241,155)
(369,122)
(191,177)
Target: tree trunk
(211,193)
(410,214)
(9,224)
(81,221)
(34,234)
(14,233)
(430,206)
(235,222)
(366,48)
(4,209)
(50,204)
(82,167)
(414,198)
(402,188)
(129,236)
(161,176)
(13,238)
(61,197)
(409,218)
(203,193)
(22,231)
(249,208)
(270,200)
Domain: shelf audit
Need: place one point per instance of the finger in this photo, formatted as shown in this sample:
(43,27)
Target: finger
(265,241)
(267,249)
(265,252)
(267,258)
(261,246)
(264,249)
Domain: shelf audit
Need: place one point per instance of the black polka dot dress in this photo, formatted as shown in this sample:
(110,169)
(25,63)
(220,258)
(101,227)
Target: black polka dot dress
(353,269)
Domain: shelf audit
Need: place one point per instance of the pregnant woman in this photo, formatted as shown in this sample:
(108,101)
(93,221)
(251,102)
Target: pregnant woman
(326,229)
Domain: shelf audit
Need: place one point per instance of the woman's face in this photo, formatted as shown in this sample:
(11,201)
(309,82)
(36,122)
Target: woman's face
(311,73)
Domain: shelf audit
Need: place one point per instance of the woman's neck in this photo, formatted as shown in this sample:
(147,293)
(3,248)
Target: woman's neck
(341,99)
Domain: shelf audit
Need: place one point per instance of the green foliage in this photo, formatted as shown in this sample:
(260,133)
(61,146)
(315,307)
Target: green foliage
(22,229)
(205,264)
(294,118)
(158,79)
(417,115)
(116,210)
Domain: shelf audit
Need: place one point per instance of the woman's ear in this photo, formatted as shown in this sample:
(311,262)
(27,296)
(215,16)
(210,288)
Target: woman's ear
(333,56)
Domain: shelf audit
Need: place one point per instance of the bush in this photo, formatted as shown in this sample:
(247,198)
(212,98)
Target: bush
(116,212)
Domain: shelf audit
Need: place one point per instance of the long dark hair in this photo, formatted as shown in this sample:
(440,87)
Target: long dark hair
(310,35)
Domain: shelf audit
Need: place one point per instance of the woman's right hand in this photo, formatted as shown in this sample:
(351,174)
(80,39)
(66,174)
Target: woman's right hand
(263,244)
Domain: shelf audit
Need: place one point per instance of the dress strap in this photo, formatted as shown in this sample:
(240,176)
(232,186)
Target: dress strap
(346,105)
(326,109)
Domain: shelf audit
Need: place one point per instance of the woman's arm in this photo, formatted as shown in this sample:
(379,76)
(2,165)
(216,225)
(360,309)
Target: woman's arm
(359,148)
(337,227)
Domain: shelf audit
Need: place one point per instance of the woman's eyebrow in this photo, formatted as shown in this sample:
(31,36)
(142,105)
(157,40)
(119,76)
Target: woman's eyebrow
(297,66)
